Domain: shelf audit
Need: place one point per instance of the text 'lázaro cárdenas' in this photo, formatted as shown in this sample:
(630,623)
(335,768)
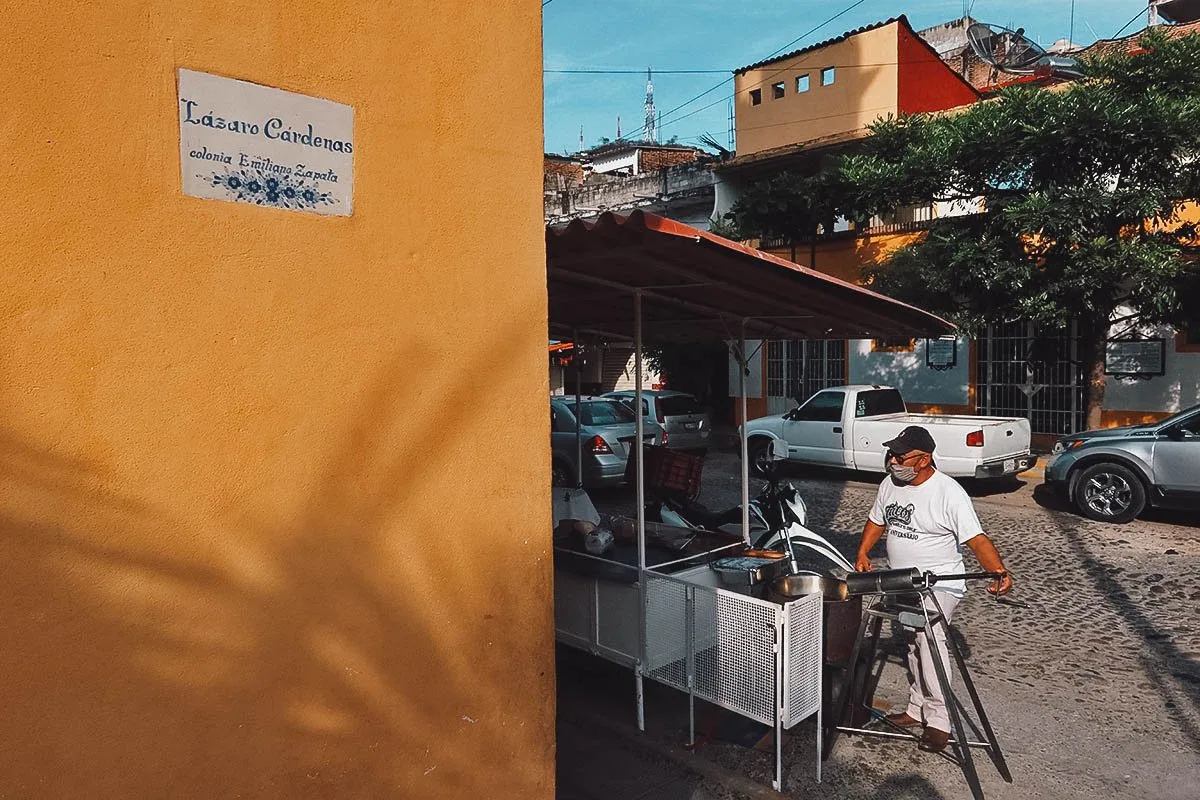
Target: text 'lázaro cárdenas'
(274,129)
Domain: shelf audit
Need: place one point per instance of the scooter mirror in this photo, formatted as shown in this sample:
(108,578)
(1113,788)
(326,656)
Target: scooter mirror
(779,450)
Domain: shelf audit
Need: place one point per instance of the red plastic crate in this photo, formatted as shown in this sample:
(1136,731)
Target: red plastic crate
(675,471)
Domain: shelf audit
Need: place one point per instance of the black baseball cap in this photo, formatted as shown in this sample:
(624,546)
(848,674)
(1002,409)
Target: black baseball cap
(914,437)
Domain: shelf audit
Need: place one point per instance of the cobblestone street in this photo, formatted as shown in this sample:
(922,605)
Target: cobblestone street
(1093,688)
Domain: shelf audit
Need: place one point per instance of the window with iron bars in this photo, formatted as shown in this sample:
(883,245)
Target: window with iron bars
(799,368)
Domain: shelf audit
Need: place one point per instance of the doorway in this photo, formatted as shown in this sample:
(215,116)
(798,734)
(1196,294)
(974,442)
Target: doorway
(1024,370)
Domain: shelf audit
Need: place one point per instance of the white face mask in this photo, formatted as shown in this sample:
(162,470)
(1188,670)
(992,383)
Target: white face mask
(902,473)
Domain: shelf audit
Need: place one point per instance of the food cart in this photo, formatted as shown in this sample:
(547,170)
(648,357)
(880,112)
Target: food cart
(643,278)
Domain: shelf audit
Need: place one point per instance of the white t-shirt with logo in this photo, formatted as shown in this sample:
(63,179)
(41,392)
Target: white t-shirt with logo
(927,526)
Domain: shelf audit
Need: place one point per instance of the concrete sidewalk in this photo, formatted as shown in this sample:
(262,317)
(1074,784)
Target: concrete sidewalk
(603,756)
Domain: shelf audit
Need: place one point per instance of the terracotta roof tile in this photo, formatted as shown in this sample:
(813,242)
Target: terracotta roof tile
(843,37)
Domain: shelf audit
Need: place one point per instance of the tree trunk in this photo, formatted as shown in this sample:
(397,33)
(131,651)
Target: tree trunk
(1093,336)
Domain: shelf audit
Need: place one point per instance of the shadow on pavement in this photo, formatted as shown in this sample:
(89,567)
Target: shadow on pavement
(992,487)
(907,786)
(1173,674)
(1050,500)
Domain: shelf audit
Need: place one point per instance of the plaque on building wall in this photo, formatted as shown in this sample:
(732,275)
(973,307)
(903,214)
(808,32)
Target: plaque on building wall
(941,354)
(246,143)
(1135,357)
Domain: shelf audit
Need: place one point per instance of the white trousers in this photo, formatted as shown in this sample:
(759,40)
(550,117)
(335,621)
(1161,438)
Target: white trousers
(925,700)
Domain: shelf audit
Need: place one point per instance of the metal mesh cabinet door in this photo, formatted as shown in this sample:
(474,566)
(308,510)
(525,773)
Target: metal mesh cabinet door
(735,654)
(802,659)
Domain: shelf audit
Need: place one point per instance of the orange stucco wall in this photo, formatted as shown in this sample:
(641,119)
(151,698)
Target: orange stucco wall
(261,534)
(863,90)
(1116,418)
(845,257)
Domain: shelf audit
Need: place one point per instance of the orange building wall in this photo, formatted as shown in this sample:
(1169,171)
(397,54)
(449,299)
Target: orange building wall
(863,90)
(845,257)
(1116,418)
(250,543)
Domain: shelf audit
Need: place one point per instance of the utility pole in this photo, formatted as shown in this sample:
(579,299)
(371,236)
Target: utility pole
(732,143)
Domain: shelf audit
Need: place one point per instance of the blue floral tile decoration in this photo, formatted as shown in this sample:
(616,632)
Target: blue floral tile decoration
(281,191)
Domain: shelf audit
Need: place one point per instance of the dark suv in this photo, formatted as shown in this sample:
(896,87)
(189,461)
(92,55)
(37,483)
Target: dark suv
(1113,474)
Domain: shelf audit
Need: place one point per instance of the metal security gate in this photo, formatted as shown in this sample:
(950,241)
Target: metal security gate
(1023,370)
(800,368)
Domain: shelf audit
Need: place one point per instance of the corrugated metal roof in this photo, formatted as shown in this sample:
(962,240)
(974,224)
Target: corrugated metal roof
(696,285)
(843,37)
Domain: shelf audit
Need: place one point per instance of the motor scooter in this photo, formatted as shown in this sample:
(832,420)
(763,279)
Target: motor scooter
(778,517)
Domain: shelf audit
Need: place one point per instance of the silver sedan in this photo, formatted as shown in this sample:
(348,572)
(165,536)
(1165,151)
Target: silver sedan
(608,432)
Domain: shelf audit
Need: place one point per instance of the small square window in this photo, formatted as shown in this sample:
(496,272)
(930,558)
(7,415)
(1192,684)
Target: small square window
(755,96)
(777,90)
(801,84)
(827,76)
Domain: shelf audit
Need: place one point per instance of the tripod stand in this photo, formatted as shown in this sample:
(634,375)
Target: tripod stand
(893,590)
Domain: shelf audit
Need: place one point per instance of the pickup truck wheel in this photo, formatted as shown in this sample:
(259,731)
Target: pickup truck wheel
(760,457)
(1110,493)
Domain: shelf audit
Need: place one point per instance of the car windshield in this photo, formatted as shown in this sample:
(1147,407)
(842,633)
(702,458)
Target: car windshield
(604,412)
(678,405)
(1178,415)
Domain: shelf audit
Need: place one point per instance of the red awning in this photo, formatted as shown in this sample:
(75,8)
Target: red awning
(696,285)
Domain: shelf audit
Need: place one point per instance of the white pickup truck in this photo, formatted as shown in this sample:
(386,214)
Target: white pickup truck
(846,427)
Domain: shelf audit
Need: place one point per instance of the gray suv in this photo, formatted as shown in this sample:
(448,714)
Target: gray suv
(1113,474)
(686,424)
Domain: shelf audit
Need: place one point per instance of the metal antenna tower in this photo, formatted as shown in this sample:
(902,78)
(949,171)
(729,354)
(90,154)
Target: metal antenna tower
(651,127)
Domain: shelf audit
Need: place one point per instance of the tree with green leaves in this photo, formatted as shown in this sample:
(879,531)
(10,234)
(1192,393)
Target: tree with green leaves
(1083,198)
(790,205)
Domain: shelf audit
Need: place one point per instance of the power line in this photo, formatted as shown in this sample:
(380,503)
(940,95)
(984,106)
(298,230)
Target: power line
(720,71)
(1127,24)
(843,12)
(662,118)
(636,71)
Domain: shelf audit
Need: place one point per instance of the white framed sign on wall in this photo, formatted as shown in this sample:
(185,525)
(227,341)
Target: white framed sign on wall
(246,143)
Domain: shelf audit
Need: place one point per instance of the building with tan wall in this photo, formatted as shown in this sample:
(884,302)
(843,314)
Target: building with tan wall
(250,544)
(841,85)
(1015,369)
(800,110)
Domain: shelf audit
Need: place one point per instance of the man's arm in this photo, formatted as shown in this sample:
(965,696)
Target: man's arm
(870,535)
(989,559)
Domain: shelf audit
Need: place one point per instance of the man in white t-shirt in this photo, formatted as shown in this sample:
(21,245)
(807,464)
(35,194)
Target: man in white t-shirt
(928,517)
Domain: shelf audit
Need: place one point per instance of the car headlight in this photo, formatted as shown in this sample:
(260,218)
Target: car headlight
(1066,444)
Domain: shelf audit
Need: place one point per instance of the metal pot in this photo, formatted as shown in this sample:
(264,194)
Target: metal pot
(790,587)
(840,613)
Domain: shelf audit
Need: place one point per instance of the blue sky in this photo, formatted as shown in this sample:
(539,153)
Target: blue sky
(711,35)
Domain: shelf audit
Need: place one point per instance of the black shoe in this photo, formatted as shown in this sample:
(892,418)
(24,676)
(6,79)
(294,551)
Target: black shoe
(933,740)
